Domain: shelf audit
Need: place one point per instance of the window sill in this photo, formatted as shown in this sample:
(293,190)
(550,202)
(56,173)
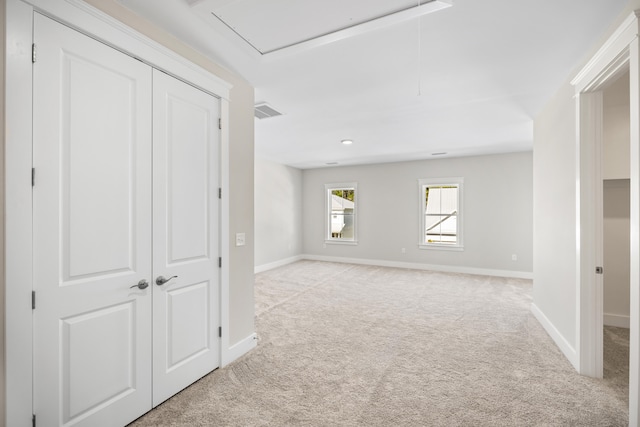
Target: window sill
(342,242)
(441,247)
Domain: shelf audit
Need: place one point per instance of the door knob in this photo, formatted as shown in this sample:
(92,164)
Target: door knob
(142,284)
(161,280)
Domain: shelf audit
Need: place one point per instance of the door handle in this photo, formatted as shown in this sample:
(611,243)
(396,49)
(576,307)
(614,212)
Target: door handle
(142,284)
(161,280)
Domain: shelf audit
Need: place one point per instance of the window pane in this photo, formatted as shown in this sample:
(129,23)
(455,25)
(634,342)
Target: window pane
(342,214)
(443,229)
(441,209)
(341,226)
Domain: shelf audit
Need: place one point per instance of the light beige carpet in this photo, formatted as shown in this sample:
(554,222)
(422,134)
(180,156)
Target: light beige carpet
(347,345)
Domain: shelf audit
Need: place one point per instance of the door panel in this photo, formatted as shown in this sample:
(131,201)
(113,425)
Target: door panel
(97,169)
(92,232)
(188,144)
(101,356)
(104,338)
(188,316)
(185,235)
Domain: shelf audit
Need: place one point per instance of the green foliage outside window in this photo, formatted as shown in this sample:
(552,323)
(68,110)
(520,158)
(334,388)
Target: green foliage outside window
(345,194)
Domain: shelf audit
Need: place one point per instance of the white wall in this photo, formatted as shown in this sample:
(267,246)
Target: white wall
(498,209)
(278,218)
(554,204)
(554,223)
(616,252)
(616,129)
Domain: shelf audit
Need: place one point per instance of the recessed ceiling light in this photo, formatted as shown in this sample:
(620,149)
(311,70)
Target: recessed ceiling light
(438,154)
(347,141)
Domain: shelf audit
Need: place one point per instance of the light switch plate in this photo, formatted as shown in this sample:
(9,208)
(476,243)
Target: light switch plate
(240,239)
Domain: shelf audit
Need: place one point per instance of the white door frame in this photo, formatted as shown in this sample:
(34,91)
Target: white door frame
(18,155)
(621,52)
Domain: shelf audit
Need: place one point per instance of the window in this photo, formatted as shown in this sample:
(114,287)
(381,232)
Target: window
(441,213)
(340,217)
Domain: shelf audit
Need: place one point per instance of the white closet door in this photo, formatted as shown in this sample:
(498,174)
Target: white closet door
(185,235)
(92,234)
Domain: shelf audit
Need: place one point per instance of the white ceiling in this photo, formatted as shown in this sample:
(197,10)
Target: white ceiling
(302,22)
(465,80)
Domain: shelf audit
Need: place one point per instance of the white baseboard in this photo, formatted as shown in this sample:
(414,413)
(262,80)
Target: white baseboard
(240,348)
(616,320)
(419,266)
(566,348)
(276,264)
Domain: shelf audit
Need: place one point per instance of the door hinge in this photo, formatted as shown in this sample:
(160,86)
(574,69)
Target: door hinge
(33,300)
(599,270)
(33,420)
(220,331)
(33,177)
(219,193)
(33,53)
(219,123)
(220,262)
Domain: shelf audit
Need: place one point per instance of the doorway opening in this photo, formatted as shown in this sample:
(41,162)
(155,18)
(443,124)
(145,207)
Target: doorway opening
(620,54)
(616,223)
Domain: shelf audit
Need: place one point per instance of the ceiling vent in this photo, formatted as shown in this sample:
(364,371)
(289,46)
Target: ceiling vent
(264,111)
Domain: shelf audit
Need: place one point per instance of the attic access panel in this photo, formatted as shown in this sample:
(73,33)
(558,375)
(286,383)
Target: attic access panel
(273,25)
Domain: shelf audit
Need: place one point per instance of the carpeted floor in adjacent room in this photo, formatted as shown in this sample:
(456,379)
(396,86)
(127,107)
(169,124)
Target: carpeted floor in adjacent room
(351,345)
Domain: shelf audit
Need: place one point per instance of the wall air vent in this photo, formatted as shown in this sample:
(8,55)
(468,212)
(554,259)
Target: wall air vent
(264,111)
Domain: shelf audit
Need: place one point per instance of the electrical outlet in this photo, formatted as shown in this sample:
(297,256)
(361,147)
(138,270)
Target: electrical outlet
(514,257)
(240,239)
(403,250)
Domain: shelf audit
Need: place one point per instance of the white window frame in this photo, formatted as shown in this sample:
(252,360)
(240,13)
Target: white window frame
(328,188)
(428,182)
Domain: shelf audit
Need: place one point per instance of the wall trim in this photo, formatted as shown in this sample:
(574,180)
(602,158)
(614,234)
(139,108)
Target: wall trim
(420,266)
(225,299)
(271,265)
(239,349)
(567,349)
(620,51)
(617,320)
(18,366)
(589,221)
(80,15)
(608,57)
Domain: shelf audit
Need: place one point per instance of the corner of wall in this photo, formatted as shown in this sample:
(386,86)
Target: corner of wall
(278,207)
(567,349)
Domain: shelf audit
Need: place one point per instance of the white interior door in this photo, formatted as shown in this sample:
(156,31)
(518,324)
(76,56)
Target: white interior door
(185,235)
(92,231)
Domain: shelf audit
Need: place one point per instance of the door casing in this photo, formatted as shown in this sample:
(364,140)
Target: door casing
(18,161)
(619,53)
